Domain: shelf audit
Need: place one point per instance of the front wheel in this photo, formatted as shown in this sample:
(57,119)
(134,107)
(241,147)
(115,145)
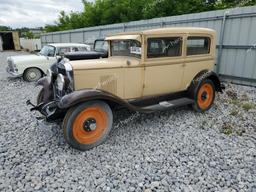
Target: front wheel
(32,74)
(204,96)
(87,125)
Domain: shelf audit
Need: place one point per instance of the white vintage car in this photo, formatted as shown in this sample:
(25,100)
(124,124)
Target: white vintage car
(33,67)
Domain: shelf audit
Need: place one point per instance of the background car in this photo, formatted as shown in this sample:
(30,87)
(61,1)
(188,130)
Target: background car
(100,50)
(33,67)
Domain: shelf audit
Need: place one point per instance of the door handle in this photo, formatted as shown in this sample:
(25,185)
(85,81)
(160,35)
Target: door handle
(128,62)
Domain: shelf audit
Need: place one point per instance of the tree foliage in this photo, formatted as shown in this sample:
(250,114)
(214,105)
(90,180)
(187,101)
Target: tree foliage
(29,35)
(5,28)
(103,12)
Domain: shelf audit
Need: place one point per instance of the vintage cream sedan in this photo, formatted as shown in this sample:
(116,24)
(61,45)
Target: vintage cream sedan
(146,71)
(33,67)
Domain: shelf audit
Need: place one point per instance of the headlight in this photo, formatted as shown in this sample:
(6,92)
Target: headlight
(67,66)
(60,82)
(69,72)
(12,66)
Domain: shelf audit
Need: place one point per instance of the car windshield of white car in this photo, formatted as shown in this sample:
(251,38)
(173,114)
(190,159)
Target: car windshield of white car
(130,48)
(47,51)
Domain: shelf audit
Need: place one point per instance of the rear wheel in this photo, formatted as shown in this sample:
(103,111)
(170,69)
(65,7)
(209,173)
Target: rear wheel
(87,125)
(32,74)
(205,95)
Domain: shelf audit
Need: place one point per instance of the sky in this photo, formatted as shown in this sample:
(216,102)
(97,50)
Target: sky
(34,13)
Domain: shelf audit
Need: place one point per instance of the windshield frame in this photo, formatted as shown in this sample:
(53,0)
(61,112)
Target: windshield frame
(133,55)
(54,48)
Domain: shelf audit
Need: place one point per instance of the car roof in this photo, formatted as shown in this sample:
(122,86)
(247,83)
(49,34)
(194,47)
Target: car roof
(68,44)
(160,31)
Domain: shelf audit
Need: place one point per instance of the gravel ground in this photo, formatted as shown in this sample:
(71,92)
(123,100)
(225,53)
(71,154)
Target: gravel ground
(177,150)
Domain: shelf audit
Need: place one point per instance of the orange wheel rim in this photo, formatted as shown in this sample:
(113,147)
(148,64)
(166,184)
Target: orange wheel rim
(89,125)
(205,96)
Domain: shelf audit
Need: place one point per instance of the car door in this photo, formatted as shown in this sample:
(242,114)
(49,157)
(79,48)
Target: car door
(133,69)
(164,64)
(199,56)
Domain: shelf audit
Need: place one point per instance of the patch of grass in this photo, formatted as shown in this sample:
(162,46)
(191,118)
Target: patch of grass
(240,132)
(227,129)
(234,112)
(235,102)
(244,97)
(248,106)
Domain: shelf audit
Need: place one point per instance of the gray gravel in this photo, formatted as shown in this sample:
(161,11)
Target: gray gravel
(178,150)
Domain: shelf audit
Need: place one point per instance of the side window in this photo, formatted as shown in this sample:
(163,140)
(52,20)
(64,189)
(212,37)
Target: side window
(198,45)
(76,49)
(63,50)
(164,47)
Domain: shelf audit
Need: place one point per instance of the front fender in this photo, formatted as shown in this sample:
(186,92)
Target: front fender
(45,82)
(77,97)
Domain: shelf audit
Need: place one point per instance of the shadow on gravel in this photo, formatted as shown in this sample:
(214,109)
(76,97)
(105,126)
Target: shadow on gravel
(15,80)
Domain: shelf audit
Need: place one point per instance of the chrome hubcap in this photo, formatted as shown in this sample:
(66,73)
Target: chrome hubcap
(90,124)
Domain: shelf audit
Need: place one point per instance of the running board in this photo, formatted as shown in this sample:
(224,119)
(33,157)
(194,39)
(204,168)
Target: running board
(163,105)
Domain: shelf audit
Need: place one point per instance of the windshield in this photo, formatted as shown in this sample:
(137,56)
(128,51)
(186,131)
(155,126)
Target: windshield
(47,50)
(130,48)
(101,45)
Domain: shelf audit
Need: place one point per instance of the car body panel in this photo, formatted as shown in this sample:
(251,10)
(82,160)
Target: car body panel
(101,75)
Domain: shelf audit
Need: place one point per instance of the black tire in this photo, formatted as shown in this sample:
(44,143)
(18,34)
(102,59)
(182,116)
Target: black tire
(76,131)
(204,96)
(32,74)
(40,97)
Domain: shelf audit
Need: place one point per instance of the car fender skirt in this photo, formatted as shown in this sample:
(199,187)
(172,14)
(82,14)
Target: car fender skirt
(80,96)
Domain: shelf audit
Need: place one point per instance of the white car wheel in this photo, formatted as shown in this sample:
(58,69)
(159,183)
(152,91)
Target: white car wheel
(32,74)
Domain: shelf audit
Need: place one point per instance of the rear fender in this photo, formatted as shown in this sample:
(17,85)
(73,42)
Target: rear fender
(201,76)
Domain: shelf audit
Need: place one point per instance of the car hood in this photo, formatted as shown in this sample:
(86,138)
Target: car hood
(27,58)
(112,62)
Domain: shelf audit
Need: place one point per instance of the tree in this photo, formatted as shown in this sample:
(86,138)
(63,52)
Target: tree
(29,35)
(103,12)
(5,28)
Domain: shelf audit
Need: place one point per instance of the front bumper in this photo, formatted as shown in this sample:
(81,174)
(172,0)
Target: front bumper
(50,111)
(12,73)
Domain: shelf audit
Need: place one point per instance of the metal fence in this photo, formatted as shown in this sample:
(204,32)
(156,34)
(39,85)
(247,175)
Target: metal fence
(236,38)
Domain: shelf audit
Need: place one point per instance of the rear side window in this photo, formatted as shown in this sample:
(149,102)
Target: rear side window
(63,50)
(198,45)
(164,47)
(76,49)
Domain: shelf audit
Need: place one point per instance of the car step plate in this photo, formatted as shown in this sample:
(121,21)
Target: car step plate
(163,105)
